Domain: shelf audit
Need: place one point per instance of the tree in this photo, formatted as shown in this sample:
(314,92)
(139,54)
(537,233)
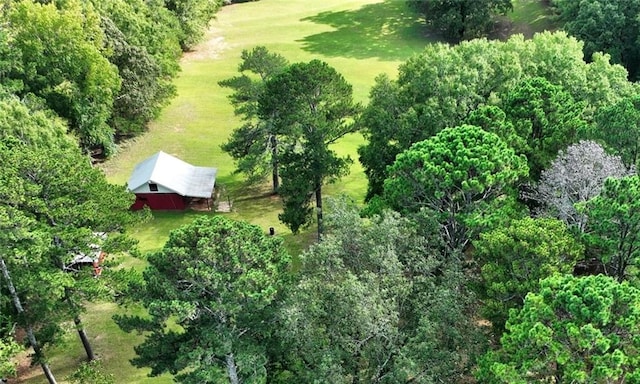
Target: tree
(441,87)
(614,225)
(149,26)
(374,303)
(11,222)
(605,26)
(618,125)
(513,259)
(576,176)
(254,145)
(194,17)
(62,63)
(52,203)
(574,330)
(546,118)
(455,174)
(313,105)
(461,19)
(144,89)
(218,280)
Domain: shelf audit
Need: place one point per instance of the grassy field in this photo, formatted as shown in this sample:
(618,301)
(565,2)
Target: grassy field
(360,38)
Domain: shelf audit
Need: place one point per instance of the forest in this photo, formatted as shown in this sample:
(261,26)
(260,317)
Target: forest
(496,237)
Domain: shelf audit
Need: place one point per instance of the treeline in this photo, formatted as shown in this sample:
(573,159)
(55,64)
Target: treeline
(499,242)
(104,67)
(75,76)
(608,26)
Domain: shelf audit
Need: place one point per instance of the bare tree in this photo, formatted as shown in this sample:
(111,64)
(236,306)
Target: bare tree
(575,176)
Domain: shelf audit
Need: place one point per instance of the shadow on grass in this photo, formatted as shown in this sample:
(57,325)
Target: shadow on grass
(388,31)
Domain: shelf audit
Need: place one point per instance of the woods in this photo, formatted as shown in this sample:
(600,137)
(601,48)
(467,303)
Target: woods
(497,241)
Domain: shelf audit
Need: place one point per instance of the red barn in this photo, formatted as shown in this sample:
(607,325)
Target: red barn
(166,182)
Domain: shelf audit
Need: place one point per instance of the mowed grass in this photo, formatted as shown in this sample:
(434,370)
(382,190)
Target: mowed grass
(360,38)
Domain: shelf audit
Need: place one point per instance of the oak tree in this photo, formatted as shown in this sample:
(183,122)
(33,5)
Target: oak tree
(461,19)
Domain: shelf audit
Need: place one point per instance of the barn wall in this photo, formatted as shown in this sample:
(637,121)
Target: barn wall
(159,201)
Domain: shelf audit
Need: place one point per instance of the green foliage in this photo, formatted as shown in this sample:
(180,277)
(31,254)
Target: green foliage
(217,280)
(609,26)
(575,330)
(144,89)
(455,174)
(31,125)
(194,17)
(254,145)
(546,118)
(147,25)
(514,258)
(462,19)
(613,226)
(91,373)
(618,125)
(8,350)
(312,105)
(63,64)
(442,86)
(53,201)
(374,304)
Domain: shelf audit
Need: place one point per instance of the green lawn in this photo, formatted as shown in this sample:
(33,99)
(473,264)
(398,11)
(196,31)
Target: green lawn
(360,38)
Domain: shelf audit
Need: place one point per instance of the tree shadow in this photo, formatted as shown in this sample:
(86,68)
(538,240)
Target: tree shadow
(388,31)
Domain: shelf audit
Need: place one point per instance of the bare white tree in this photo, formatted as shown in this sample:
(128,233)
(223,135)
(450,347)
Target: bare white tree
(575,176)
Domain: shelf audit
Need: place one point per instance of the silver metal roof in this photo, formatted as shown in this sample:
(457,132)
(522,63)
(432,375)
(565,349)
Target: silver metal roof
(175,175)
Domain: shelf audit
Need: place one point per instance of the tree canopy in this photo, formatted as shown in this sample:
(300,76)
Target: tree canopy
(613,225)
(312,104)
(574,330)
(441,87)
(217,279)
(53,202)
(63,64)
(375,303)
(455,174)
(574,177)
(609,26)
(255,145)
(461,19)
(514,258)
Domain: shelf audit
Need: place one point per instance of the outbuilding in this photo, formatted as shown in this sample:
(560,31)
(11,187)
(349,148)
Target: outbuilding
(164,182)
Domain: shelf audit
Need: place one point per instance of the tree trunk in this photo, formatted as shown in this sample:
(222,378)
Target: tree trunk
(231,369)
(274,164)
(30,335)
(319,209)
(80,328)
(83,337)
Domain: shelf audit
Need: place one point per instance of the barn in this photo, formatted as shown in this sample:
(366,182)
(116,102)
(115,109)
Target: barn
(164,182)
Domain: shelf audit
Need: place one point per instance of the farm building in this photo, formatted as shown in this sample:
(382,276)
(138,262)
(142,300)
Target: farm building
(163,181)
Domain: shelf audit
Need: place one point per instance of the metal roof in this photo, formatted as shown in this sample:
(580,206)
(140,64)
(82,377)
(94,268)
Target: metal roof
(175,175)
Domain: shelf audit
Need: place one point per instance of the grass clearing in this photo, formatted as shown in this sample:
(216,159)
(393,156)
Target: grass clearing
(360,38)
